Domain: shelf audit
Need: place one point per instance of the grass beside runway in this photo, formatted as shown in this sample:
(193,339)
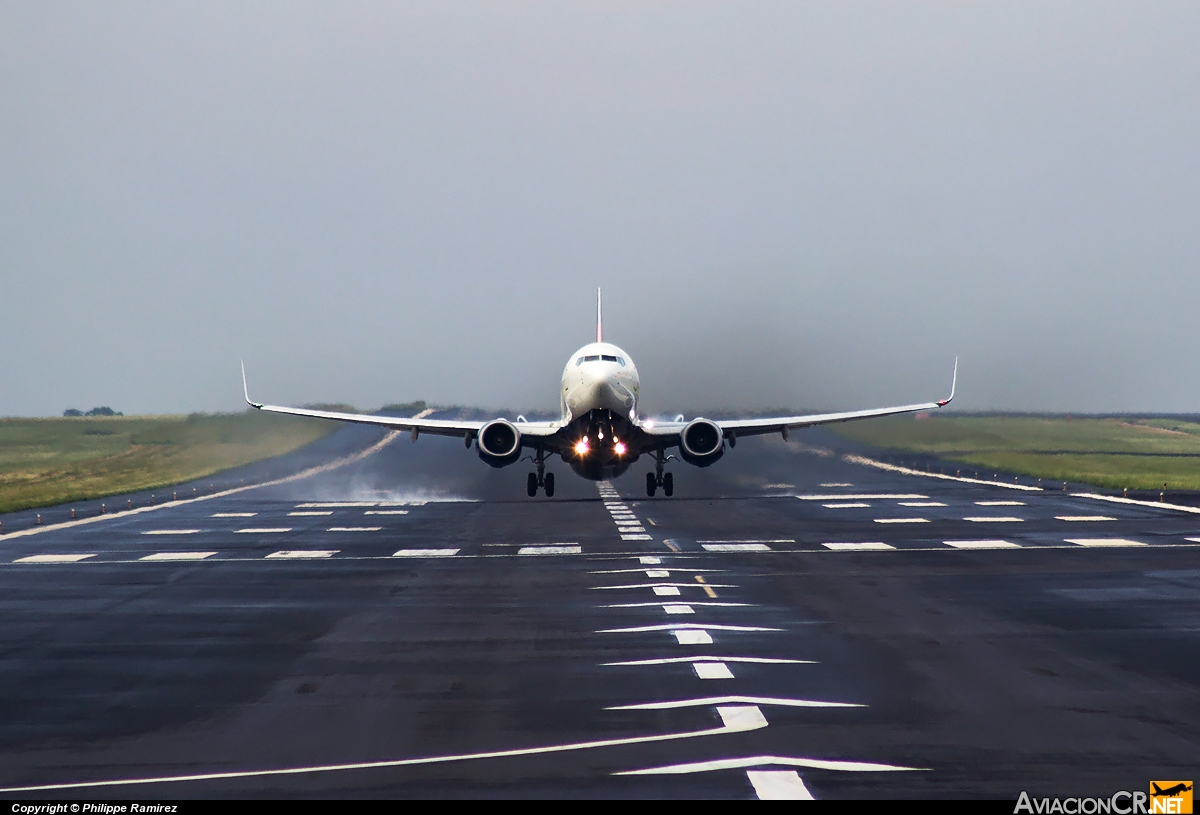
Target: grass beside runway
(52,461)
(1138,453)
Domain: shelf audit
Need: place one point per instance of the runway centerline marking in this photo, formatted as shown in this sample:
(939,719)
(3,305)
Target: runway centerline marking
(1104,542)
(754,540)
(736,547)
(982,544)
(676,660)
(670,585)
(680,626)
(354,529)
(1083,518)
(732,700)
(52,558)
(263,530)
(310,513)
(678,608)
(696,637)
(901,520)
(162,556)
(303,554)
(851,505)
(386,512)
(666,591)
(836,484)
(712,670)
(870,546)
(999,503)
(689,605)
(866,496)
(566,549)
(425,553)
(995,519)
(170,531)
(921,504)
(234,514)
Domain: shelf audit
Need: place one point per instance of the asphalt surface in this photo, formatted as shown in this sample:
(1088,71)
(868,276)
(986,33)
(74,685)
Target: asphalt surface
(418,639)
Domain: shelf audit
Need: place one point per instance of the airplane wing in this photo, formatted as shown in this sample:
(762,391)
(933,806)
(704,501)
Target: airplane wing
(781,424)
(435,427)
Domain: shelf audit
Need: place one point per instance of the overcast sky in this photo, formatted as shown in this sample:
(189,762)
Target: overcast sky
(802,204)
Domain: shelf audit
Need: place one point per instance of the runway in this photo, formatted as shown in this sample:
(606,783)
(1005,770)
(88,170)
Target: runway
(407,623)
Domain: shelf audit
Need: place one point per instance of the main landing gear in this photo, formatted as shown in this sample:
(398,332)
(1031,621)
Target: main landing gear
(657,479)
(541,478)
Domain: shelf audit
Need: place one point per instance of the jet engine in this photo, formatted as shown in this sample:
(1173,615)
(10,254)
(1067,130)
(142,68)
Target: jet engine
(499,443)
(701,442)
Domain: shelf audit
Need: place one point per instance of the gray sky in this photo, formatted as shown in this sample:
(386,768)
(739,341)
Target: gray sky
(810,204)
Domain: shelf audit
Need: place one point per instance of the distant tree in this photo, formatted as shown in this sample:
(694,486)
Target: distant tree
(72,412)
(103,411)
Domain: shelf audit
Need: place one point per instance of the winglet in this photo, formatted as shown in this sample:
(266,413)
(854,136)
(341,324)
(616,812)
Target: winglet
(953,384)
(599,318)
(246,389)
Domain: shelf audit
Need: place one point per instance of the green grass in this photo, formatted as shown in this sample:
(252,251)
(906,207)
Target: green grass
(53,461)
(1141,454)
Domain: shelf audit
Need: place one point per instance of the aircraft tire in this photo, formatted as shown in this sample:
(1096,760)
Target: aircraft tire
(668,485)
(549,485)
(651,486)
(531,485)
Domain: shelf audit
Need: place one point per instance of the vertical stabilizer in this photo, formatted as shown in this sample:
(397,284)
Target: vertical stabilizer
(599,318)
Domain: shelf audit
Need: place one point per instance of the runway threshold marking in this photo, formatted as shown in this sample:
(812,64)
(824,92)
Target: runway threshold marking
(666,591)
(163,556)
(649,560)
(1104,542)
(698,637)
(733,720)
(997,544)
(675,660)
(712,670)
(870,546)
(303,554)
(636,538)
(52,558)
(170,531)
(1083,518)
(736,547)
(425,553)
(677,608)
(768,761)
(566,549)
(778,785)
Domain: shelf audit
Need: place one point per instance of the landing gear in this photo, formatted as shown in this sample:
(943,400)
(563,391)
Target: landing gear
(541,478)
(657,479)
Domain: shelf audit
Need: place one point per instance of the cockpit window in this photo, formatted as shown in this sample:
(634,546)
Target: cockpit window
(621,361)
(608,358)
(592,358)
(578,362)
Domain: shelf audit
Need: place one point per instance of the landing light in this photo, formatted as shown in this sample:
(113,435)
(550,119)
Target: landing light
(581,447)
(620,448)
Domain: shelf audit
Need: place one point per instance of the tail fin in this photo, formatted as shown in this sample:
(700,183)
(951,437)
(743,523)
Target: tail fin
(599,318)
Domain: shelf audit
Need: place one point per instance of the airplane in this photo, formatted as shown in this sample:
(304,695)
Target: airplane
(1170,792)
(600,433)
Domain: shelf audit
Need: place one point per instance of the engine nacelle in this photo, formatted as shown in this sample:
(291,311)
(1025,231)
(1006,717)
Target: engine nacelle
(499,443)
(701,442)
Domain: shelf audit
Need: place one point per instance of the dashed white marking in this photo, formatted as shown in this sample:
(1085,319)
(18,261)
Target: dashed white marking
(999,503)
(666,591)
(170,531)
(736,547)
(901,520)
(678,608)
(550,550)
(693,637)
(742,717)
(732,700)
(337,504)
(850,505)
(636,538)
(754,540)
(354,529)
(674,660)
(52,558)
(648,560)
(836,484)
(1083,518)
(995,519)
(867,496)
(234,514)
(312,513)
(712,670)
(631,530)
(425,553)
(1104,542)
(263,530)
(872,546)
(178,556)
(658,573)
(767,761)
(638,629)
(982,544)
(302,554)
(1192,540)
(386,512)
(921,504)
(778,785)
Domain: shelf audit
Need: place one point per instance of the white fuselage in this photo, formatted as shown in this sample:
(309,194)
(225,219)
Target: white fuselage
(599,376)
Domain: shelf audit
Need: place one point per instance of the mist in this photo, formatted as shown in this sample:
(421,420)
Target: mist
(815,205)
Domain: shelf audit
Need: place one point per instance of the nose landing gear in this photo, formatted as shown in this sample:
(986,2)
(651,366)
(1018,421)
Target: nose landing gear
(541,478)
(658,479)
